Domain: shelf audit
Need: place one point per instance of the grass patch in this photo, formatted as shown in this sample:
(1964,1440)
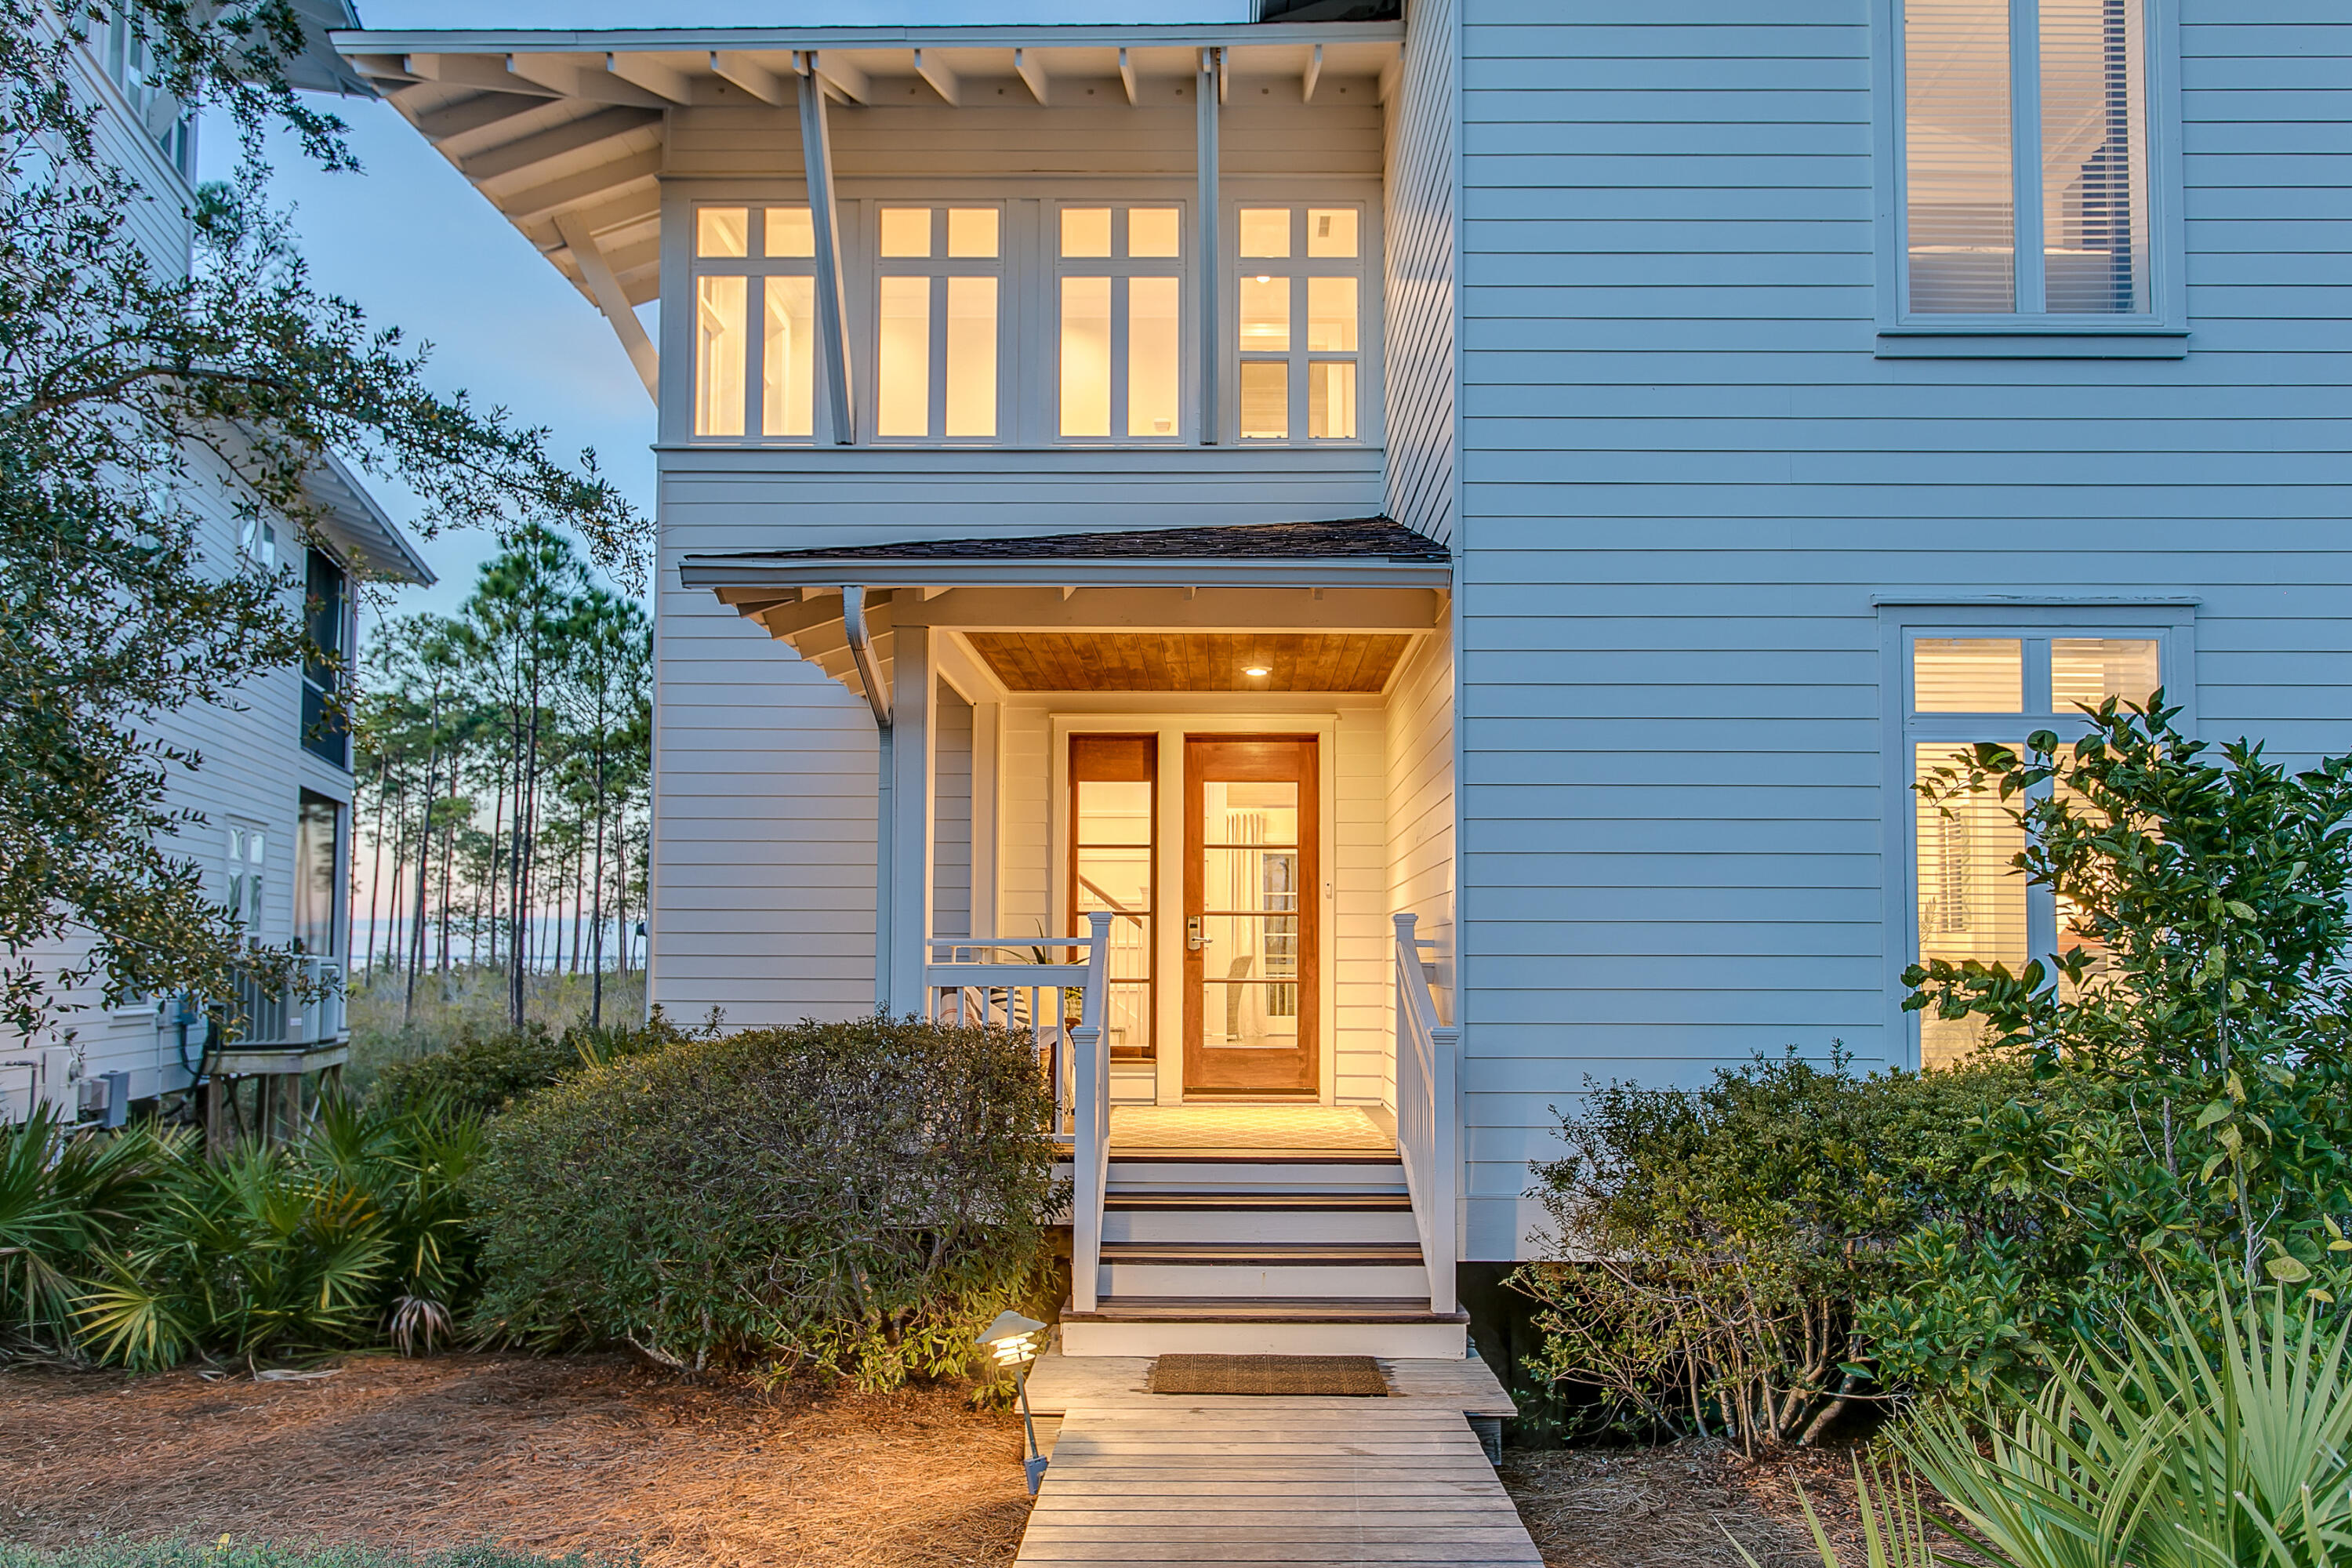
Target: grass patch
(468,1000)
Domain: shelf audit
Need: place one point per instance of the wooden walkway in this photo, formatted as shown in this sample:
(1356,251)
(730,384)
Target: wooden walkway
(1159,1481)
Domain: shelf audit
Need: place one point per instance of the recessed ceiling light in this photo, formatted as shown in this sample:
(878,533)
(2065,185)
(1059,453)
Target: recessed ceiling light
(1257,669)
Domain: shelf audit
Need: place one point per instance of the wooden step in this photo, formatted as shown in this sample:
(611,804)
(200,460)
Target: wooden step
(1133,1154)
(1259,1202)
(1262,1310)
(1263,1254)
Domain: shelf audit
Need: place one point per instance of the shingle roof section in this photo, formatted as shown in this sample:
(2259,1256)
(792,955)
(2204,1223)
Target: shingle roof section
(1370,537)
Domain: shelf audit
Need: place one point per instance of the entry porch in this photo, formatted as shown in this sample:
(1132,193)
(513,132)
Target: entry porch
(1178,803)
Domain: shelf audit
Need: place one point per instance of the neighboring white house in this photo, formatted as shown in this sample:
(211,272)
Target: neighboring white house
(1552,471)
(275,784)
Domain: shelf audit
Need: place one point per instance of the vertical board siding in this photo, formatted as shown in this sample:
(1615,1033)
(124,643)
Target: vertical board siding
(1421,222)
(1685,477)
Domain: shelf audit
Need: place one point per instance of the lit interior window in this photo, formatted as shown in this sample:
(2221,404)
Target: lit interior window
(1086,356)
(1153,232)
(1331,231)
(1154,356)
(906,231)
(789,232)
(1085,231)
(1331,315)
(720,341)
(722,231)
(1331,400)
(1266,315)
(1266,231)
(972,231)
(788,363)
(1265,400)
(902,376)
(971,352)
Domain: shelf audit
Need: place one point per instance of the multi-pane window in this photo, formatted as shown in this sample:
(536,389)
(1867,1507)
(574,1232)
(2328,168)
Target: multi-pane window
(935,308)
(1113,867)
(1119,305)
(754,322)
(1297,294)
(1971,900)
(2025,157)
(248,859)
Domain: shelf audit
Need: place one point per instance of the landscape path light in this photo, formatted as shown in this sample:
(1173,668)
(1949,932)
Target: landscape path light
(1015,1340)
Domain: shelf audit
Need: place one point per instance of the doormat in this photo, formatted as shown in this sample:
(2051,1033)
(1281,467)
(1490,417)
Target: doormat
(1348,1377)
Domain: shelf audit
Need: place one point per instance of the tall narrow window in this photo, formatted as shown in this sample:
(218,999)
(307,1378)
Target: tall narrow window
(1114,816)
(1971,901)
(754,322)
(1299,313)
(2025,157)
(318,885)
(1120,354)
(936,369)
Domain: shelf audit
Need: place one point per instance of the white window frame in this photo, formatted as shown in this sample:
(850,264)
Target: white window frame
(1904,334)
(1120,269)
(755,268)
(1364,267)
(2171,623)
(865,280)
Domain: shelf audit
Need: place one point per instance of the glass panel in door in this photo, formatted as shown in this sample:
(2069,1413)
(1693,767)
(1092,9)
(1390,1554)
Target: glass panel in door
(1250,942)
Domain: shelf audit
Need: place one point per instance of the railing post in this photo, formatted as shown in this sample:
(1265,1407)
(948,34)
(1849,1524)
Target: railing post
(1090,1128)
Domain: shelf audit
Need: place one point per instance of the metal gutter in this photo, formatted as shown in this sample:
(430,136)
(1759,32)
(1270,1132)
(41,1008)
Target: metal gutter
(511,40)
(861,653)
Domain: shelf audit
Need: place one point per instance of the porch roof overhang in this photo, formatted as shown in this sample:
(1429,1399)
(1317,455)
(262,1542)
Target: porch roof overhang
(1359,553)
(840,608)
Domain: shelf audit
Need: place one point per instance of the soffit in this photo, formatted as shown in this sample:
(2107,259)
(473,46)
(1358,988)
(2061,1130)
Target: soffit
(565,130)
(1190,661)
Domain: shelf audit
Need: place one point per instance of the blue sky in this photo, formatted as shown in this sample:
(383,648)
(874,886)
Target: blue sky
(409,242)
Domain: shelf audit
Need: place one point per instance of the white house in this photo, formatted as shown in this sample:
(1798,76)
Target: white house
(275,784)
(1434,547)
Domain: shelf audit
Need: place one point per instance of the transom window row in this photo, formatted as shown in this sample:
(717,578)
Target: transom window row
(1113,317)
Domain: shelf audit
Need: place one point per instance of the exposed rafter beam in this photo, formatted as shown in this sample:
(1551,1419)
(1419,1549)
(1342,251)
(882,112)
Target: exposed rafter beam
(1314,75)
(579,76)
(752,77)
(654,75)
(1030,69)
(604,129)
(478,114)
(1127,79)
(841,75)
(605,183)
(944,80)
(473,70)
(605,289)
(832,298)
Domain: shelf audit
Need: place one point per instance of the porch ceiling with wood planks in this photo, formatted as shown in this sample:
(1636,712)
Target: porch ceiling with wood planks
(1190,661)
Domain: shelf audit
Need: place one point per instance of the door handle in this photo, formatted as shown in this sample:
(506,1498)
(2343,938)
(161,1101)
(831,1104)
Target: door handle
(1193,939)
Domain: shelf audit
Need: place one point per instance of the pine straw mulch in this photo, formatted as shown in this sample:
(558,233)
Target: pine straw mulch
(1649,1508)
(542,1454)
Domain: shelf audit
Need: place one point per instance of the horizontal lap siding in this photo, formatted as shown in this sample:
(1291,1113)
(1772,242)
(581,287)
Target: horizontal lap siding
(1685,477)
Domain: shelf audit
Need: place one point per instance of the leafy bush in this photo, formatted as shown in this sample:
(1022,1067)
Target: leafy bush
(482,1073)
(1714,1247)
(228,1553)
(2222,1441)
(2192,1050)
(135,1248)
(859,1197)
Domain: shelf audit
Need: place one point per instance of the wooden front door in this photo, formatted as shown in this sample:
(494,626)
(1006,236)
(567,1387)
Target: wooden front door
(1251,877)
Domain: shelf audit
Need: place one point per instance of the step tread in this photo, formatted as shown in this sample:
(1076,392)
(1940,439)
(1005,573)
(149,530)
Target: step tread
(1150,1156)
(1276,1253)
(1387,1203)
(1262,1310)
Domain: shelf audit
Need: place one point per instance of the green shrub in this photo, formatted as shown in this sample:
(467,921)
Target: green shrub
(134,1248)
(2191,1117)
(229,1553)
(481,1073)
(1713,1247)
(859,1197)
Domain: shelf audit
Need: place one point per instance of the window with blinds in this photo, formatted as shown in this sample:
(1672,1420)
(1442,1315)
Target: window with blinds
(2025,157)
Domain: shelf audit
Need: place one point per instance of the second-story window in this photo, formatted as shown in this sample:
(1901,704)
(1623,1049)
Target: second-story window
(2025,157)
(1298,283)
(936,298)
(749,258)
(1119,296)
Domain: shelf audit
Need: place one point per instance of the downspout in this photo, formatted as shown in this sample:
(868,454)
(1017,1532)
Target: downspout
(877,697)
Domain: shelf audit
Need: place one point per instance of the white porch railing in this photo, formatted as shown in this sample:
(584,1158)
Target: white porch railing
(1428,1122)
(971,980)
